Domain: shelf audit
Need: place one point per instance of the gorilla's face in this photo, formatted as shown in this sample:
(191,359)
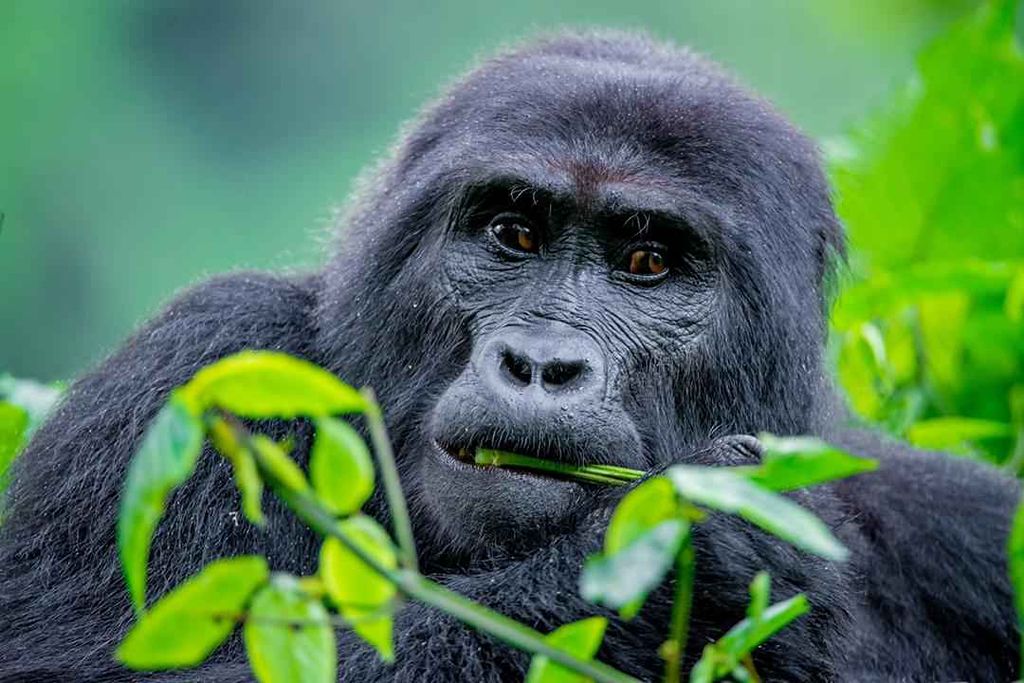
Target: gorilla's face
(588,265)
(573,296)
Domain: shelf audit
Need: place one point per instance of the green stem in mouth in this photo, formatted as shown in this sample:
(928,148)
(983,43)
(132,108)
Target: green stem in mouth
(608,475)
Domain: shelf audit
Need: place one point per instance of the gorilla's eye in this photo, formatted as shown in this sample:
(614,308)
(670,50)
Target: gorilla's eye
(647,262)
(515,233)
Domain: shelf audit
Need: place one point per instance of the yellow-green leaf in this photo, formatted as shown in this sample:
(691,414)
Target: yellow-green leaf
(243,465)
(340,466)
(289,637)
(266,384)
(165,459)
(187,624)
(274,458)
(581,639)
(250,486)
(357,589)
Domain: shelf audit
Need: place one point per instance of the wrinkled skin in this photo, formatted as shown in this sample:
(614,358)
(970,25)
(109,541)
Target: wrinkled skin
(593,249)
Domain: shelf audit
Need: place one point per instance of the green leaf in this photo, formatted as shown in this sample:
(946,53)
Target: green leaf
(623,579)
(289,637)
(798,462)
(750,633)
(36,399)
(721,489)
(243,465)
(954,433)
(639,511)
(13,429)
(188,623)
(1015,551)
(723,657)
(250,486)
(704,670)
(165,459)
(265,384)
(760,595)
(274,458)
(340,466)
(945,160)
(357,589)
(1014,305)
(942,320)
(581,639)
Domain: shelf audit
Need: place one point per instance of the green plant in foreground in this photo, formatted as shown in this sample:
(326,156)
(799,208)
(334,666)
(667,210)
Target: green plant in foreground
(23,407)
(288,622)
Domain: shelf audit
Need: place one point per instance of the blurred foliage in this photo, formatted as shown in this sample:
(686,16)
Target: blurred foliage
(930,334)
(23,406)
(144,145)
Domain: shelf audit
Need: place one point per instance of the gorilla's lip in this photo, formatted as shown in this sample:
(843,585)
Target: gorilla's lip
(461,458)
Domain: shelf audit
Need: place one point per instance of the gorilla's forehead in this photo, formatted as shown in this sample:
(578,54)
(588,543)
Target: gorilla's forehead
(620,118)
(659,132)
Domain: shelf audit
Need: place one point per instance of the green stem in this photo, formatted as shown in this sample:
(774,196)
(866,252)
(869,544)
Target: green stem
(413,585)
(392,484)
(680,621)
(610,475)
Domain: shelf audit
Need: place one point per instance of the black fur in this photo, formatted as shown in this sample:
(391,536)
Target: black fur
(599,141)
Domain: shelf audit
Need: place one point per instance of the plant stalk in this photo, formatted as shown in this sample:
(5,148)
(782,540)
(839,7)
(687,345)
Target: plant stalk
(680,621)
(413,585)
(392,484)
(609,475)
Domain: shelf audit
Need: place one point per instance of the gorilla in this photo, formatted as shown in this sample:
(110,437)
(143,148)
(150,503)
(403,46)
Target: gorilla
(594,248)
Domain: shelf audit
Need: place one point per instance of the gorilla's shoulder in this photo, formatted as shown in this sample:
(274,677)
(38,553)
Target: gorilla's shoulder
(212,319)
(247,294)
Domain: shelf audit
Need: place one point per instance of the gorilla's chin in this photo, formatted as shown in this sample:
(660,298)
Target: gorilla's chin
(507,510)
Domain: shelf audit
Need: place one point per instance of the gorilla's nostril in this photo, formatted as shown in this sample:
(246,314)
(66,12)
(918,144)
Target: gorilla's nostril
(517,368)
(558,374)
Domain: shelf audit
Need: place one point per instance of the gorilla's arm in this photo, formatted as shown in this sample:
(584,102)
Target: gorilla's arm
(63,606)
(933,567)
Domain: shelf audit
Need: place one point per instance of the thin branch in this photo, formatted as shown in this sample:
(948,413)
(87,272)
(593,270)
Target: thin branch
(680,620)
(392,484)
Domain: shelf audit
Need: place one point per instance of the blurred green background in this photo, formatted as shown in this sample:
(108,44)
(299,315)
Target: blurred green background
(144,145)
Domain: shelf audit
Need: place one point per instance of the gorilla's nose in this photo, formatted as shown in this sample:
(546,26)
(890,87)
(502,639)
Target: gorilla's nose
(553,362)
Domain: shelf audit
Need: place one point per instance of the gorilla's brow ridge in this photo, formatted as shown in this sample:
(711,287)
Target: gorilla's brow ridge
(629,199)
